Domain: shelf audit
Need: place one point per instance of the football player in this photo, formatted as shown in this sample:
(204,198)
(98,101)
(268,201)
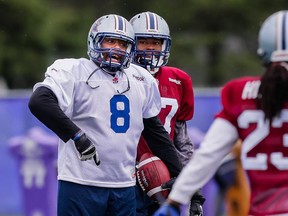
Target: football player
(255,109)
(153,44)
(99,107)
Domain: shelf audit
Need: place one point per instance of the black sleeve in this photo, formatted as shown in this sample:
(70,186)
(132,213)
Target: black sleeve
(183,142)
(43,104)
(161,145)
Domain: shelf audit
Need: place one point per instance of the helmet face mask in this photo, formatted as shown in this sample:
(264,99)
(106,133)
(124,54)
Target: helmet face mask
(273,38)
(149,25)
(151,59)
(114,27)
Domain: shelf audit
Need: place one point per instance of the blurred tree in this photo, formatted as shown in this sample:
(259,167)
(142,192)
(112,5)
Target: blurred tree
(34,33)
(20,40)
(213,41)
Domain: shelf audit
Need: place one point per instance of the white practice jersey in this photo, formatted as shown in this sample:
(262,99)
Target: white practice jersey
(112,121)
(217,143)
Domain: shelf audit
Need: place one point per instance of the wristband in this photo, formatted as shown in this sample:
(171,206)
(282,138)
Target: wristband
(78,135)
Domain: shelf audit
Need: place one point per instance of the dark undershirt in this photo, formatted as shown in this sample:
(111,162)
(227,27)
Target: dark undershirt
(43,104)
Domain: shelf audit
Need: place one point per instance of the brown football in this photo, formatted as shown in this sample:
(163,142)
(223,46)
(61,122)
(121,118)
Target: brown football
(151,174)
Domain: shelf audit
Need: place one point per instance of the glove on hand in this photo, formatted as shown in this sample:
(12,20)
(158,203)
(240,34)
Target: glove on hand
(196,209)
(196,204)
(85,148)
(167,210)
(169,184)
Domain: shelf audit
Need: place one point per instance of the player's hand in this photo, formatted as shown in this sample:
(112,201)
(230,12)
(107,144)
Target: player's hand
(86,149)
(196,204)
(196,209)
(167,210)
(168,185)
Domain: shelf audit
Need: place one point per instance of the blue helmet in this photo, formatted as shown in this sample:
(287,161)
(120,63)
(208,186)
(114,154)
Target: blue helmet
(151,25)
(110,26)
(273,38)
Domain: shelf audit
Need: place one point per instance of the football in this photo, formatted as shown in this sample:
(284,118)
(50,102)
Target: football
(151,174)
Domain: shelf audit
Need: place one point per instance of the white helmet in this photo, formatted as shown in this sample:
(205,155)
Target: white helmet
(273,38)
(111,26)
(151,25)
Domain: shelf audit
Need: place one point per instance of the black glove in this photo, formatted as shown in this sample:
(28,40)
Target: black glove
(169,184)
(196,204)
(85,148)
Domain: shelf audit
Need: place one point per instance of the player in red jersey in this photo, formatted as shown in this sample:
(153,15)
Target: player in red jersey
(153,43)
(255,109)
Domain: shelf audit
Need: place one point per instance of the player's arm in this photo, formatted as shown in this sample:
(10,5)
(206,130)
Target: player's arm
(185,148)
(43,104)
(218,142)
(160,144)
(183,142)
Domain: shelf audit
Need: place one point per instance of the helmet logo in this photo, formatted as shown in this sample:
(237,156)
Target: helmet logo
(120,25)
(151,22)
(283,31)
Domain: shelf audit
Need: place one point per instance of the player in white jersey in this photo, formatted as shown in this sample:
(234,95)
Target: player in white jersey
(254,110)
(99,107)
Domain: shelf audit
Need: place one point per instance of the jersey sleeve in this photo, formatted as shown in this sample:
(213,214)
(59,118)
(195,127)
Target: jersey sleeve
(228,97)
(44,106)
(187,103)
(152,106)
(60,80)
(218,142)
(183,142)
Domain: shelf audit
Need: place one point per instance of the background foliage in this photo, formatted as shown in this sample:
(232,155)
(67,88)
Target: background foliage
(213,41)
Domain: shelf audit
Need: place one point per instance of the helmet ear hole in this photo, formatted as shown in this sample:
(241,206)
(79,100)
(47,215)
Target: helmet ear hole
(260,52)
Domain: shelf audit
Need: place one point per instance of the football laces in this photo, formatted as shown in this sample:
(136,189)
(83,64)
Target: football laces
(139,180)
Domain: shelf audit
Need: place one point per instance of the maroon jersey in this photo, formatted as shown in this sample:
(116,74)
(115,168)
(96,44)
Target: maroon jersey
(177,99)
(264,152)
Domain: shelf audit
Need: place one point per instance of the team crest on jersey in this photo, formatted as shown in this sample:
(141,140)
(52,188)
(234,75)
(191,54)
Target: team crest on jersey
(139,78)
(178,82)
(115,79)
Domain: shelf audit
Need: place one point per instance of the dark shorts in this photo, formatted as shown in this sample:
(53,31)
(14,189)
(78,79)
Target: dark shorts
(75,200)
(145,206)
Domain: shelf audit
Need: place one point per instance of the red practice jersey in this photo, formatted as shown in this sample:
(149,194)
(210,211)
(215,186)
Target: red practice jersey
(177,99)
(264,152)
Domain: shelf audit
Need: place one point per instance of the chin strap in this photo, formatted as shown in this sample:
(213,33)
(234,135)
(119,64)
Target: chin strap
(148,64)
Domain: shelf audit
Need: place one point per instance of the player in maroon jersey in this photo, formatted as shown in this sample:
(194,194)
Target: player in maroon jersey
(255,109)
(153,45)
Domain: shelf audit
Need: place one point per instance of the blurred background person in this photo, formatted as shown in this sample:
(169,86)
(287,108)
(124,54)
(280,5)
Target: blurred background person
(232,198)
(255,109)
